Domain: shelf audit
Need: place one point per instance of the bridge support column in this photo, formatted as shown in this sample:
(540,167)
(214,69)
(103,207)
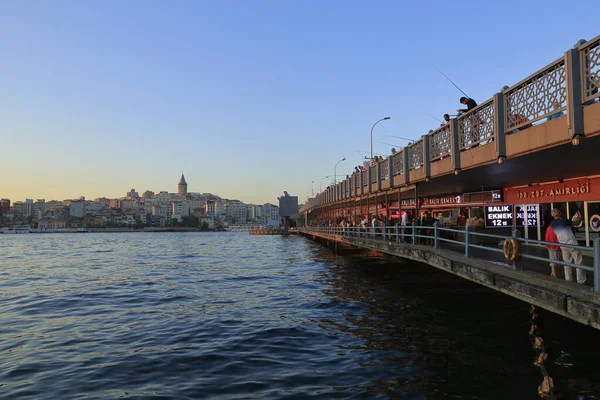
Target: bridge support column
(574,103)
(499,128)
(426,157)
(454,145)
(405,166)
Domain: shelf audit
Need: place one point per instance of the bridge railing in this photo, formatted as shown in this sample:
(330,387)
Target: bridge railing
(435,235)
(439,143)
(533,98)
(589,54)
(477,126)
(415,155)
(398,163)
(574,76)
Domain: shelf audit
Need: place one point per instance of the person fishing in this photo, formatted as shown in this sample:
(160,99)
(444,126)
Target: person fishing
(470,103)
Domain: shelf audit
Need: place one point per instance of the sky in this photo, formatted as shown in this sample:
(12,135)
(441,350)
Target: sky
(247,98)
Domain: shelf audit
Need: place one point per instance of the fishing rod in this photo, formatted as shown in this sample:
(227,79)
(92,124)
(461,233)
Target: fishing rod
(437,119)
(390,144)
(450,80)
(400,137)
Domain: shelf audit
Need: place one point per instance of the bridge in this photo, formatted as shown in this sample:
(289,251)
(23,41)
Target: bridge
(531,147)
(455,252)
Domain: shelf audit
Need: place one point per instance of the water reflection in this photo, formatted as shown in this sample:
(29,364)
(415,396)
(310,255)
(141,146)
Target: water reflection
(434,334)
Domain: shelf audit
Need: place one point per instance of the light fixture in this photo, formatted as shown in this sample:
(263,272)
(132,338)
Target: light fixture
(575,141)
(427,179)
(500,160)
(456,171)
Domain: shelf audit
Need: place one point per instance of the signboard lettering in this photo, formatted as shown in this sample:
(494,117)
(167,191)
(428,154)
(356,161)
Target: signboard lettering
(499,216)
(526,215)
(557,190)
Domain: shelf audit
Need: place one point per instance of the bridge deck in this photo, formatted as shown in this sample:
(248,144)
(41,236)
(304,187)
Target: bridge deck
(533,285)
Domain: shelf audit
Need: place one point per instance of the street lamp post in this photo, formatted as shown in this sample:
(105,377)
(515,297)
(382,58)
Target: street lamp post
(321,184)
(334,168)
(382,119)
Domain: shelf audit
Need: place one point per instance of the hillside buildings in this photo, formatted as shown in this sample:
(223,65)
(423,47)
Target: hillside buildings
(164,208)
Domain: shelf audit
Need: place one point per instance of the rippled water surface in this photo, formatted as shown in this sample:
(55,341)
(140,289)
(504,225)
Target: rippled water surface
(233,316)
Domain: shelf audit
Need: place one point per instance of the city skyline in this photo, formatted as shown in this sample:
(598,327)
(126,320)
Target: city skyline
(242,96)
(123,194)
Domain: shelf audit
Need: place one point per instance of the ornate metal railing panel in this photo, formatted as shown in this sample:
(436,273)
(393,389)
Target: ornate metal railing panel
(590,64)
(385,170)
(365,177)
(534,98)
(477,126)
(373,173)
(415,155)
(398,162)
(439,143)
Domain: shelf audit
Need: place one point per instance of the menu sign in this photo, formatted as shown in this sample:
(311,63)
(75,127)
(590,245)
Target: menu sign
(527,215)
(499,216)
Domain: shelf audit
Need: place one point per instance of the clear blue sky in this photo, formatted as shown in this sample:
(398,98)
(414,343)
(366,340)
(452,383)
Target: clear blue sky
(247,98)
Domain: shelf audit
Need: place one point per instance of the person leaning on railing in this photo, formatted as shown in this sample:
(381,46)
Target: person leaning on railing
(565,235)
(470,103)
(553,251)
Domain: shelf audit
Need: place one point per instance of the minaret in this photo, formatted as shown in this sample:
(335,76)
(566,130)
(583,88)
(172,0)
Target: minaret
(182,186)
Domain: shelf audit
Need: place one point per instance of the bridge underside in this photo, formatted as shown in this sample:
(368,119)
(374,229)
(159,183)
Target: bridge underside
(568,299)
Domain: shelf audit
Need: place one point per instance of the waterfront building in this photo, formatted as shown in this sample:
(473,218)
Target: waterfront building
(182,186)
(28,211)
(5,205)
(18,210)
(77,209)
(235,211)
(214,208)
(53,223)
(39,208)
(270,215)
(255,213)
(210,221)
(180,209)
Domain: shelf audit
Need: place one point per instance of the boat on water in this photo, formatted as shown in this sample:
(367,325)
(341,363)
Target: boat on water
(18,229)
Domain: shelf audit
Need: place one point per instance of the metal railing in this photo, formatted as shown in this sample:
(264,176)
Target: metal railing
(373,173)
(385,170)
(590,64)
(398,163)
(365,176)
(477,126)
(435,235)
(415,155)
(439,143)
(533,98)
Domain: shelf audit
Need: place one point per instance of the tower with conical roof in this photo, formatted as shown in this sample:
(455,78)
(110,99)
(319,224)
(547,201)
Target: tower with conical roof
(182,186)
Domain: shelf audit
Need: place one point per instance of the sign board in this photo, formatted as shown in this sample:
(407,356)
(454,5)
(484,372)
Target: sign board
(490,196)
(499,216)
(526,215)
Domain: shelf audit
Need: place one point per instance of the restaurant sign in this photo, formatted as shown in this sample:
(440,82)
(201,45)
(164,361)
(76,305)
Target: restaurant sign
(499,216)
(527,215)
(555,190)
(438,201)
